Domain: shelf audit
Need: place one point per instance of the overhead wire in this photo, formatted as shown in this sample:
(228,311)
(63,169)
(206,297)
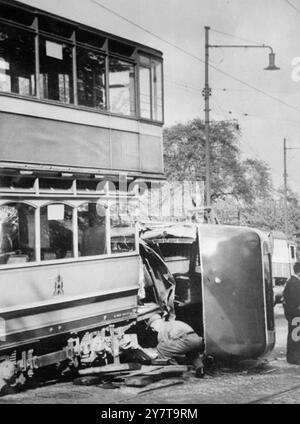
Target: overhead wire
(223,113)
(248,146)
(184,51)
(231,89)
(292,5)
(193,88)
(144,29)
(233,36)
(196,57)
(277,99)
(220,110)
(183,85)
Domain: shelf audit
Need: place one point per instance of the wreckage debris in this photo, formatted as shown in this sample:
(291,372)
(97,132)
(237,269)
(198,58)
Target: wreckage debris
(154,376)
(132,375)
(111,368)
(89,380)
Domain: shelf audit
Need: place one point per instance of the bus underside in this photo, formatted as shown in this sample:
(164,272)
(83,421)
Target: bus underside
(223,285)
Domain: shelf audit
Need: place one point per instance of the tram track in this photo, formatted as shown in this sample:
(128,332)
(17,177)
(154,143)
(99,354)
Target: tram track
(274,395)
(261,400)
(208,391)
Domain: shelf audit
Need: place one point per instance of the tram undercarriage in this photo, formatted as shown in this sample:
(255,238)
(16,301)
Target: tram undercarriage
(100,346)
(67,353)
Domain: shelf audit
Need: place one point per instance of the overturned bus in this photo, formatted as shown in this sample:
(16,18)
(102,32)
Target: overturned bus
(223,285)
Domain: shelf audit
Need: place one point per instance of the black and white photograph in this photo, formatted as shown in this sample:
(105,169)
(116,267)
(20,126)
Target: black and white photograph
(149,205)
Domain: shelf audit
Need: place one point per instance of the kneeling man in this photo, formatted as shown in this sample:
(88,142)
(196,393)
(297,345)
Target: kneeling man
(176,338)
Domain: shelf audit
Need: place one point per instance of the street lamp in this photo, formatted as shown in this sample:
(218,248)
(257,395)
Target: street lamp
(207,93)
(285,175)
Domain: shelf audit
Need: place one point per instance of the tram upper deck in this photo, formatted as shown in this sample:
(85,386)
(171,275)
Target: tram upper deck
(81,114)
(76,99)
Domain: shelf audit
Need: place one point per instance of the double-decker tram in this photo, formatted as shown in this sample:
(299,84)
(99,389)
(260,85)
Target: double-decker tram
(81,115)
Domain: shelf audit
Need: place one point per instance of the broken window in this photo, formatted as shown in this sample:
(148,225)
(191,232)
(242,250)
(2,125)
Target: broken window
(121,87)
(122,229)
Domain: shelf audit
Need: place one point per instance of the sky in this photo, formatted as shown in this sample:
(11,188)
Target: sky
(266,103)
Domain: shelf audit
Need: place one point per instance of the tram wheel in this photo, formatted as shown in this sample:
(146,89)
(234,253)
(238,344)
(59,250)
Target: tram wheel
(8,378)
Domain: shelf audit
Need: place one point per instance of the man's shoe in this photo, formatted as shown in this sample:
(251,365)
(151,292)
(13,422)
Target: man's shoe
(199,372)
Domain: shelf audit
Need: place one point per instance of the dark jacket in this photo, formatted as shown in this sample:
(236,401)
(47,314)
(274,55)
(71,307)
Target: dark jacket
(291,298)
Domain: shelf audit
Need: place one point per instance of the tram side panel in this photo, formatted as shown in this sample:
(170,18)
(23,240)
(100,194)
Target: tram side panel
(46,300)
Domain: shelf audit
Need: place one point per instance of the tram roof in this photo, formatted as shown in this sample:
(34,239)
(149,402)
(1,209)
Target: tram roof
(78,25)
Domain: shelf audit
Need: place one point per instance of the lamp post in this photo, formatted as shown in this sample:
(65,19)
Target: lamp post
(285,175)
(207,93)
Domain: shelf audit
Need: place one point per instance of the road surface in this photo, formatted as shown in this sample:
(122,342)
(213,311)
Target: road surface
(270,380)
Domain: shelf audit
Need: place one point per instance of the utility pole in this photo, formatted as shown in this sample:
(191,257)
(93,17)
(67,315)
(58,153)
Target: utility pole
(285,189)
(206,94)
(285,175)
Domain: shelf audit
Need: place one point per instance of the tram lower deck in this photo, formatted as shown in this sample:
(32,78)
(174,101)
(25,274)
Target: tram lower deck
(70,277)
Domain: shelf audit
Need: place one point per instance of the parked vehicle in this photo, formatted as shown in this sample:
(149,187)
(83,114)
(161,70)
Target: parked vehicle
(283,259)
(223,285)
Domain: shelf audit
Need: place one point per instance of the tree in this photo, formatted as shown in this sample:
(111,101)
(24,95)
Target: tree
(258,175)
(184,154)
(266,214)
(242,190)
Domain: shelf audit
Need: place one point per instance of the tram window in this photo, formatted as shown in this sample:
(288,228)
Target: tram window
(91,230)
(54,26)
(16,182)
(177,256)
(176,250)
(121,87)
(121,187)
(46,184)
(268,287)
(17,233)
(292,250)
(56,232)
(156,90)
(150,78)
(56,70)
(122,229)
(120,48)
(90,38)
(17,59)
(16,15)
(91,78)
(90,185)
(145,95)
(144,60)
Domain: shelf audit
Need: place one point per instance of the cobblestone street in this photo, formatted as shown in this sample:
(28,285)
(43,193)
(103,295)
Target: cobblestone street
(271,380)
(149,207)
